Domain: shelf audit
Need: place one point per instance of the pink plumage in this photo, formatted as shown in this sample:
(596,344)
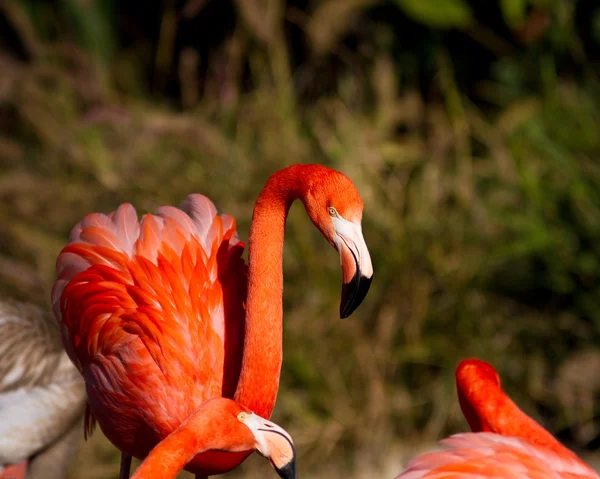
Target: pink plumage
(506,443)
(161,315)
(142,306)
(484,455)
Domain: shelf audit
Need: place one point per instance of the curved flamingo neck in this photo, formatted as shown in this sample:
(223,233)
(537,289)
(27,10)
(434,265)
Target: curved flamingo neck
(262,357)
(212,426)
(172,454)
(487,408)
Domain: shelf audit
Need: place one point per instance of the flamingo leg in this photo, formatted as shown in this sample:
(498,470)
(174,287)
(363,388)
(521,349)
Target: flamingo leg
(15,471)
(125,466)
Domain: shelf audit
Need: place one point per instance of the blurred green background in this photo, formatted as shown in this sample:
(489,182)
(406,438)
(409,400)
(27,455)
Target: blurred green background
(470,128)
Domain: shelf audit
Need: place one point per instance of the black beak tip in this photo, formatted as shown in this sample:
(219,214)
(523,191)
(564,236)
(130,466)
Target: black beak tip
(353,293)
(289,471)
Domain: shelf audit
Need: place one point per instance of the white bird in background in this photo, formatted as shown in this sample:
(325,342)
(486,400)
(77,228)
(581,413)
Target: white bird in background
(42,395)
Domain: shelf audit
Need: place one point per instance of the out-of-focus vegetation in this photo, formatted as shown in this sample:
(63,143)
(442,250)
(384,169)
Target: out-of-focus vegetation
(470,128)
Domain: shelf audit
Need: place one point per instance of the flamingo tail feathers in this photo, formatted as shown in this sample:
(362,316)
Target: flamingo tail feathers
(89,423)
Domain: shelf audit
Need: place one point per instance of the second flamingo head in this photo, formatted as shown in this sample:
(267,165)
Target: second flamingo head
(335,207)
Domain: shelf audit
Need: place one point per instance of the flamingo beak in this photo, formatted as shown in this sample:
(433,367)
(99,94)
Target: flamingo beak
(289,470)
(274,443)
(357,269)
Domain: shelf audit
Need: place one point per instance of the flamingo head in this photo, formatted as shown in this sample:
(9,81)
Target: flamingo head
(470,371)
(272,442)
(335,207)
(220,424)
(471,376)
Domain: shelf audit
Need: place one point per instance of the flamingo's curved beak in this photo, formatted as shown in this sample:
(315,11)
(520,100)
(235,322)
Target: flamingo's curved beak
(357,269)
(289,470)
(274,443)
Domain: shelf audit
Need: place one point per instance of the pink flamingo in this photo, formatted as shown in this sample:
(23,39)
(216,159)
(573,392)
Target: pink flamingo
(505,443)
(155,314)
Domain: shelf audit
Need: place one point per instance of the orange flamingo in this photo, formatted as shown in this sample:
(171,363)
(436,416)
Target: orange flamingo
(505,443)
(161,315)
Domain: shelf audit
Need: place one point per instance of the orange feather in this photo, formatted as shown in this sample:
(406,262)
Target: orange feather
(141,306)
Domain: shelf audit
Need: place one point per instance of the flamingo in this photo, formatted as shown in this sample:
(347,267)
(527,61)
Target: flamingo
(42,396)
(505,442)
(162,315)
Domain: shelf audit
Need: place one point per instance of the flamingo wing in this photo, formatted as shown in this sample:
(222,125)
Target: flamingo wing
(484,455)
(152,314)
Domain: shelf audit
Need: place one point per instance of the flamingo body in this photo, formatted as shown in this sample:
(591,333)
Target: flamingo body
(506,443)
(152,314)
(484,455)
(42,396)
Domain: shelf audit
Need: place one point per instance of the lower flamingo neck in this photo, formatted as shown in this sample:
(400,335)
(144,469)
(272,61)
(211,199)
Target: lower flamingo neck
(211,427)
(172,454)
(262,357)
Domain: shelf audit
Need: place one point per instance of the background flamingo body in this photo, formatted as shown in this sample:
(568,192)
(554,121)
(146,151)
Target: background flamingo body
(42,396)
(484,455)
(506,443)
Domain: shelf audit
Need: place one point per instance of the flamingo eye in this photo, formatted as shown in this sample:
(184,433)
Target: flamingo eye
(332,211)
(242,416)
